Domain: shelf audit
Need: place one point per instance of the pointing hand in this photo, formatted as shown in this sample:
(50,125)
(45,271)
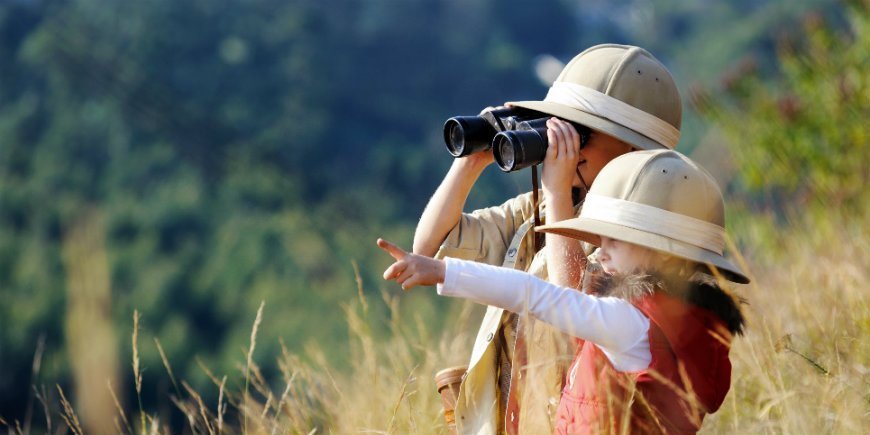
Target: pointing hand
(411,270)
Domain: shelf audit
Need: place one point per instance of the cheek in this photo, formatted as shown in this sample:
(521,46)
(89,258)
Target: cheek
(624,259)
(642,259)
(596,159)
(603,152)
(627,261)
(613,151)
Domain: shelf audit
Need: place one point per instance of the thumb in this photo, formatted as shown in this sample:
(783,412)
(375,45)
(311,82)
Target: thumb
(395,251)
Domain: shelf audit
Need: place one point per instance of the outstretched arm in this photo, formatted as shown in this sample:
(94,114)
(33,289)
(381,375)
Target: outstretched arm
(411,270)
(614,324)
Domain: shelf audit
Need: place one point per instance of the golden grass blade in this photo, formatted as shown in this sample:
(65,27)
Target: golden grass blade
(359,287)
(137,374)
(221,408)
(408,380)
(69,416)
(167,366)
(257,320)
(119,407)
(185,409)
(203,412)
(42,400)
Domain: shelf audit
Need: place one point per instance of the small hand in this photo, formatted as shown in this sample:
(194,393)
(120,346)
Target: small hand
(411,270)
(563,155)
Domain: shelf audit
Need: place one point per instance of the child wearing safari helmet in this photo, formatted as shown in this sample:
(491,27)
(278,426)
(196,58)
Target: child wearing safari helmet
(653,323)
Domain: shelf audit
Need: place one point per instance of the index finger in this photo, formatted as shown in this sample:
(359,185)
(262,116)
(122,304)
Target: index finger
(395,251)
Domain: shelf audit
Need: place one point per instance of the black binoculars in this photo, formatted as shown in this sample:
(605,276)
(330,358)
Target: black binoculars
(517,136)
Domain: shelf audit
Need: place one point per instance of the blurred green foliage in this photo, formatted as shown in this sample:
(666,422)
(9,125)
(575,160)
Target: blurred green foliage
(238,152)
(247,151)
(800,137)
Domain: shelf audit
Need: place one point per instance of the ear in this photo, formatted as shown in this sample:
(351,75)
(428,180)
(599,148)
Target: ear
(673,265)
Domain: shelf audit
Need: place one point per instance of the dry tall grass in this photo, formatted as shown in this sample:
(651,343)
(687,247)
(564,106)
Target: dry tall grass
(802,367)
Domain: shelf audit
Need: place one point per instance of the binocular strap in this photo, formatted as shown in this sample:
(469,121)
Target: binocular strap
(538,238)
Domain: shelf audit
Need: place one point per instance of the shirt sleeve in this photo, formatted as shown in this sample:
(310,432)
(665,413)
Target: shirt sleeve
(614,325)
(484,235)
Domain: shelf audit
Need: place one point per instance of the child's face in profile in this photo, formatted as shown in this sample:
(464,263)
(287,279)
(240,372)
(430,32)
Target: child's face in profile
(617,256)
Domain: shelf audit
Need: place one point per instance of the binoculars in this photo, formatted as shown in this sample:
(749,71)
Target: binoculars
(517,136)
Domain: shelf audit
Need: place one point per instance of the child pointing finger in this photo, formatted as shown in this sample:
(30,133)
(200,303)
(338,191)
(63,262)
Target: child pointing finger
(411,270)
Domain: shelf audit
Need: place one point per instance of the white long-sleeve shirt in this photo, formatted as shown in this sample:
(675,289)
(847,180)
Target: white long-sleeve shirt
(617,327)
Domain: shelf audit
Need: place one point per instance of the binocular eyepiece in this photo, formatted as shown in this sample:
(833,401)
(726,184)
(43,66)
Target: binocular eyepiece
(517,137)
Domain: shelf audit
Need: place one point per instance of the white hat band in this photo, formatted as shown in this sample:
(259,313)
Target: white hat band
(591,101)
(654,220)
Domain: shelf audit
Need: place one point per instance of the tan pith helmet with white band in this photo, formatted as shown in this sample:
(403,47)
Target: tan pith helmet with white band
(658,199)
(620,90)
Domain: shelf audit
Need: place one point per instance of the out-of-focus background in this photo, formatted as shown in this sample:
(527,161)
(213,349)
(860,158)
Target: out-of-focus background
(168,166)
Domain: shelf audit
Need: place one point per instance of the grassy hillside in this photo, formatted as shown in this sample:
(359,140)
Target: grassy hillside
(802,366)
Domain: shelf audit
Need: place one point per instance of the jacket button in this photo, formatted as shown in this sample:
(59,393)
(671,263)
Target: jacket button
(489,336)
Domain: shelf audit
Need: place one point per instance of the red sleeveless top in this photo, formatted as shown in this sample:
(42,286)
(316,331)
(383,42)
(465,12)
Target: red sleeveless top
(688,377)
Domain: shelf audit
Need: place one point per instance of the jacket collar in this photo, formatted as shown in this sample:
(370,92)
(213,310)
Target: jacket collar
(699,289)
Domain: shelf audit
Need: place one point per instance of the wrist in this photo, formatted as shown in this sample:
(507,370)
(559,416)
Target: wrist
(477,161)
(560,206)
(466,167)
(557,194)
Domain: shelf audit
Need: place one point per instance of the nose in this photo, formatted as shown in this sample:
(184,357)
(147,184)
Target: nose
(604,247)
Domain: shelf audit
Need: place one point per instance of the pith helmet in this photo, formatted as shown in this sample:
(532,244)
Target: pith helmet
(658,199)
(620,90)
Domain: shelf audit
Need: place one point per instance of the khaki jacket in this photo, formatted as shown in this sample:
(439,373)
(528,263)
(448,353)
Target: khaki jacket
(502,236)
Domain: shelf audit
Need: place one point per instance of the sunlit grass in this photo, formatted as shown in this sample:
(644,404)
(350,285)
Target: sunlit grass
(802,367)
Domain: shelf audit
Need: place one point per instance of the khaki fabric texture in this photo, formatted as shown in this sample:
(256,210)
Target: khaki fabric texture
(502,236)
(674,190)
(625,73)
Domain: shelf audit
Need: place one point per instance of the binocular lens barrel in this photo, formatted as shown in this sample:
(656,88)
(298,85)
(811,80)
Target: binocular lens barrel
(518,149)
(465,135)
(517,137)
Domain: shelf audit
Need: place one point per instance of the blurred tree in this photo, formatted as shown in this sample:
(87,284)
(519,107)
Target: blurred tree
(248,151)
(800,138)
(238,152)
